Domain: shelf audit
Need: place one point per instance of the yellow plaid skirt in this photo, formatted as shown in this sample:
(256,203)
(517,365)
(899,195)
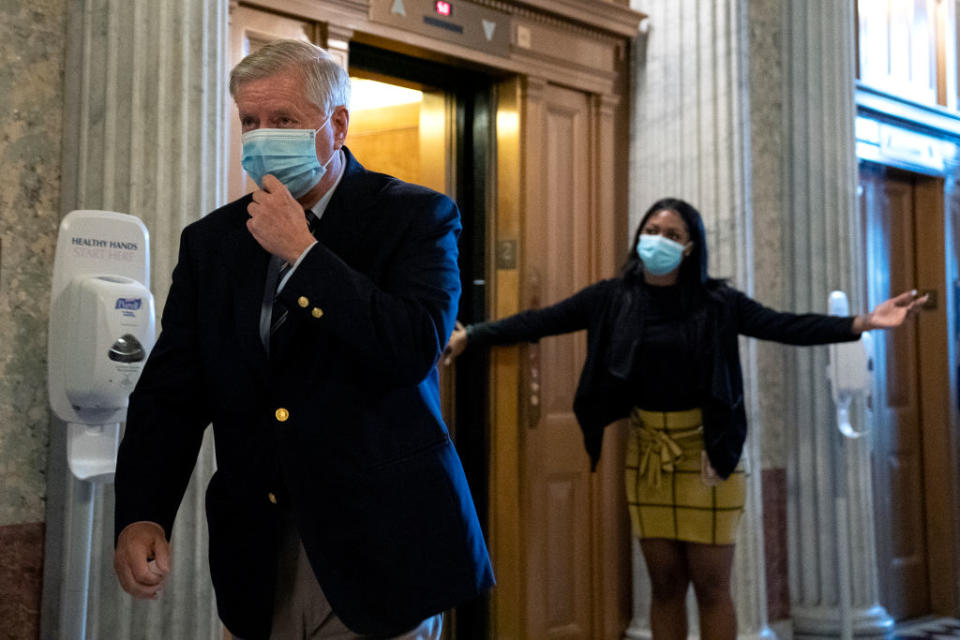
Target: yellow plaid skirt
(670,492)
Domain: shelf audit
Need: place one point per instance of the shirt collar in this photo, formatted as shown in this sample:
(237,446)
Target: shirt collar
(321,206)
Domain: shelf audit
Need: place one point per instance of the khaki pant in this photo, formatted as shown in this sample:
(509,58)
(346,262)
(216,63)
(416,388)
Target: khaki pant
(301,611)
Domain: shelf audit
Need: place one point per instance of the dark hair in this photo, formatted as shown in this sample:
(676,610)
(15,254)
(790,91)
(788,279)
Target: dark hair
(694,277)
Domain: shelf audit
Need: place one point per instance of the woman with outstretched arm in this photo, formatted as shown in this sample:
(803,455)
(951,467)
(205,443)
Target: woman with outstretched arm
(662,349)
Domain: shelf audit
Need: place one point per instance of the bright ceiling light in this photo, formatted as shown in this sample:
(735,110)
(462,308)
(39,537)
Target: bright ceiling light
(370,94)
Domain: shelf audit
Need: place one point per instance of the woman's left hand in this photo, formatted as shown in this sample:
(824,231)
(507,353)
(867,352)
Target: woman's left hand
(456,344)
(890,313)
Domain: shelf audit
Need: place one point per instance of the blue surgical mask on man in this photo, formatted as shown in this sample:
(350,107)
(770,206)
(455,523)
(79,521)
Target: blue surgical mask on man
(290,155)
(660,255)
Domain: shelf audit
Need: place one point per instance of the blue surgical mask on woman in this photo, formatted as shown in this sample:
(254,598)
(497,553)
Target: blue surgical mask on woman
(660,255)
(290,155)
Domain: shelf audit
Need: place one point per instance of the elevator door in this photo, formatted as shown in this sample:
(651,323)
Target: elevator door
(402,131)
(428,125)
(889,204)
(406,132)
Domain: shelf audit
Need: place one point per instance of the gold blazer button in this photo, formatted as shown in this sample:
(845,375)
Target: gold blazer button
(282,414)
(317,312)
(303,301)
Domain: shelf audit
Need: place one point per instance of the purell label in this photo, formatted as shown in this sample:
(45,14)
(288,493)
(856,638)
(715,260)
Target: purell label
(129,304)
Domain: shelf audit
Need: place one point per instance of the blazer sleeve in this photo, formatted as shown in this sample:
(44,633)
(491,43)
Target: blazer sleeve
(168,412)
(758,321)
(396,328)
(566,316)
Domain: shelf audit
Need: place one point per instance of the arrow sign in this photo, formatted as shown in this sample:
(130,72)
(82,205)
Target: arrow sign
(489,26)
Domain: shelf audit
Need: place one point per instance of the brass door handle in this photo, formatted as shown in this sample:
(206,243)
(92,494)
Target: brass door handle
(931,303)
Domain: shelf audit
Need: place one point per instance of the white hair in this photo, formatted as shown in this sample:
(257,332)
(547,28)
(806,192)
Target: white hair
(326,83)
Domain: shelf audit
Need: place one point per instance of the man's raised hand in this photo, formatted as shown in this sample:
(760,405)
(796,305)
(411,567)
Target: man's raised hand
(277,222)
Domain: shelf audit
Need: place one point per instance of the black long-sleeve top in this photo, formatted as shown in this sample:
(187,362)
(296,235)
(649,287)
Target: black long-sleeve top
(667,378)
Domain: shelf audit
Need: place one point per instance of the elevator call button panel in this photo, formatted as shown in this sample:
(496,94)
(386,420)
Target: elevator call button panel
(457,21)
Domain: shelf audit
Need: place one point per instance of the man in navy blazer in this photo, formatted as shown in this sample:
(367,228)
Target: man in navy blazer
(310,342)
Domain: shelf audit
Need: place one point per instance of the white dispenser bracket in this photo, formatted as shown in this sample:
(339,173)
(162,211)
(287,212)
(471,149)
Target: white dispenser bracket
(850,369)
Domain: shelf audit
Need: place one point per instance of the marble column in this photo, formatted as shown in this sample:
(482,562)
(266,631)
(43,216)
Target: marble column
(828,477)
(144,133)
(691,139)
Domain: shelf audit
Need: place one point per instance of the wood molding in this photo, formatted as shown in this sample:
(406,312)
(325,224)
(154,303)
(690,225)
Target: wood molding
(337,32)
(531,89)
(607,105)
(345,12)
(337,39)
(504,515)
(601,37)
(604,189)
(600,20)
(935,399)
(609,17)
(585,23)
(611,562)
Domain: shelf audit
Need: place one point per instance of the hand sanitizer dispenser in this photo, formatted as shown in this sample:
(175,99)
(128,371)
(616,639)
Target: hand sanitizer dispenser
(101,330)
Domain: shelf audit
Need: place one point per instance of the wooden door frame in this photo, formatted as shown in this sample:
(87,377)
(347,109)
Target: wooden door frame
(505,371)
(940,428)
(940,469)
(520,115)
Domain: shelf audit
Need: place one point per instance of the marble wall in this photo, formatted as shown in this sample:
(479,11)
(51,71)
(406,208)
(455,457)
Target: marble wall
(31,99)
(766,133)
(765,25)
(21,573)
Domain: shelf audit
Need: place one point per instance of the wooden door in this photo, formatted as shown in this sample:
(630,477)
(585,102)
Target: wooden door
(888,204)
(559,531)
(557,475)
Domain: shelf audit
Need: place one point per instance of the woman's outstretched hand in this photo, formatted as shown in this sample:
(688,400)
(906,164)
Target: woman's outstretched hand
(890,313)
(456,344)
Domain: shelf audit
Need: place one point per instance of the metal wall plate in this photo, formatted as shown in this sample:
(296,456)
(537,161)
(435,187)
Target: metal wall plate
(507,254)
(458,21)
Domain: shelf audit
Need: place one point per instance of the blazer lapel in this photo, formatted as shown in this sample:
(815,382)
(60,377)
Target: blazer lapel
(342,228)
